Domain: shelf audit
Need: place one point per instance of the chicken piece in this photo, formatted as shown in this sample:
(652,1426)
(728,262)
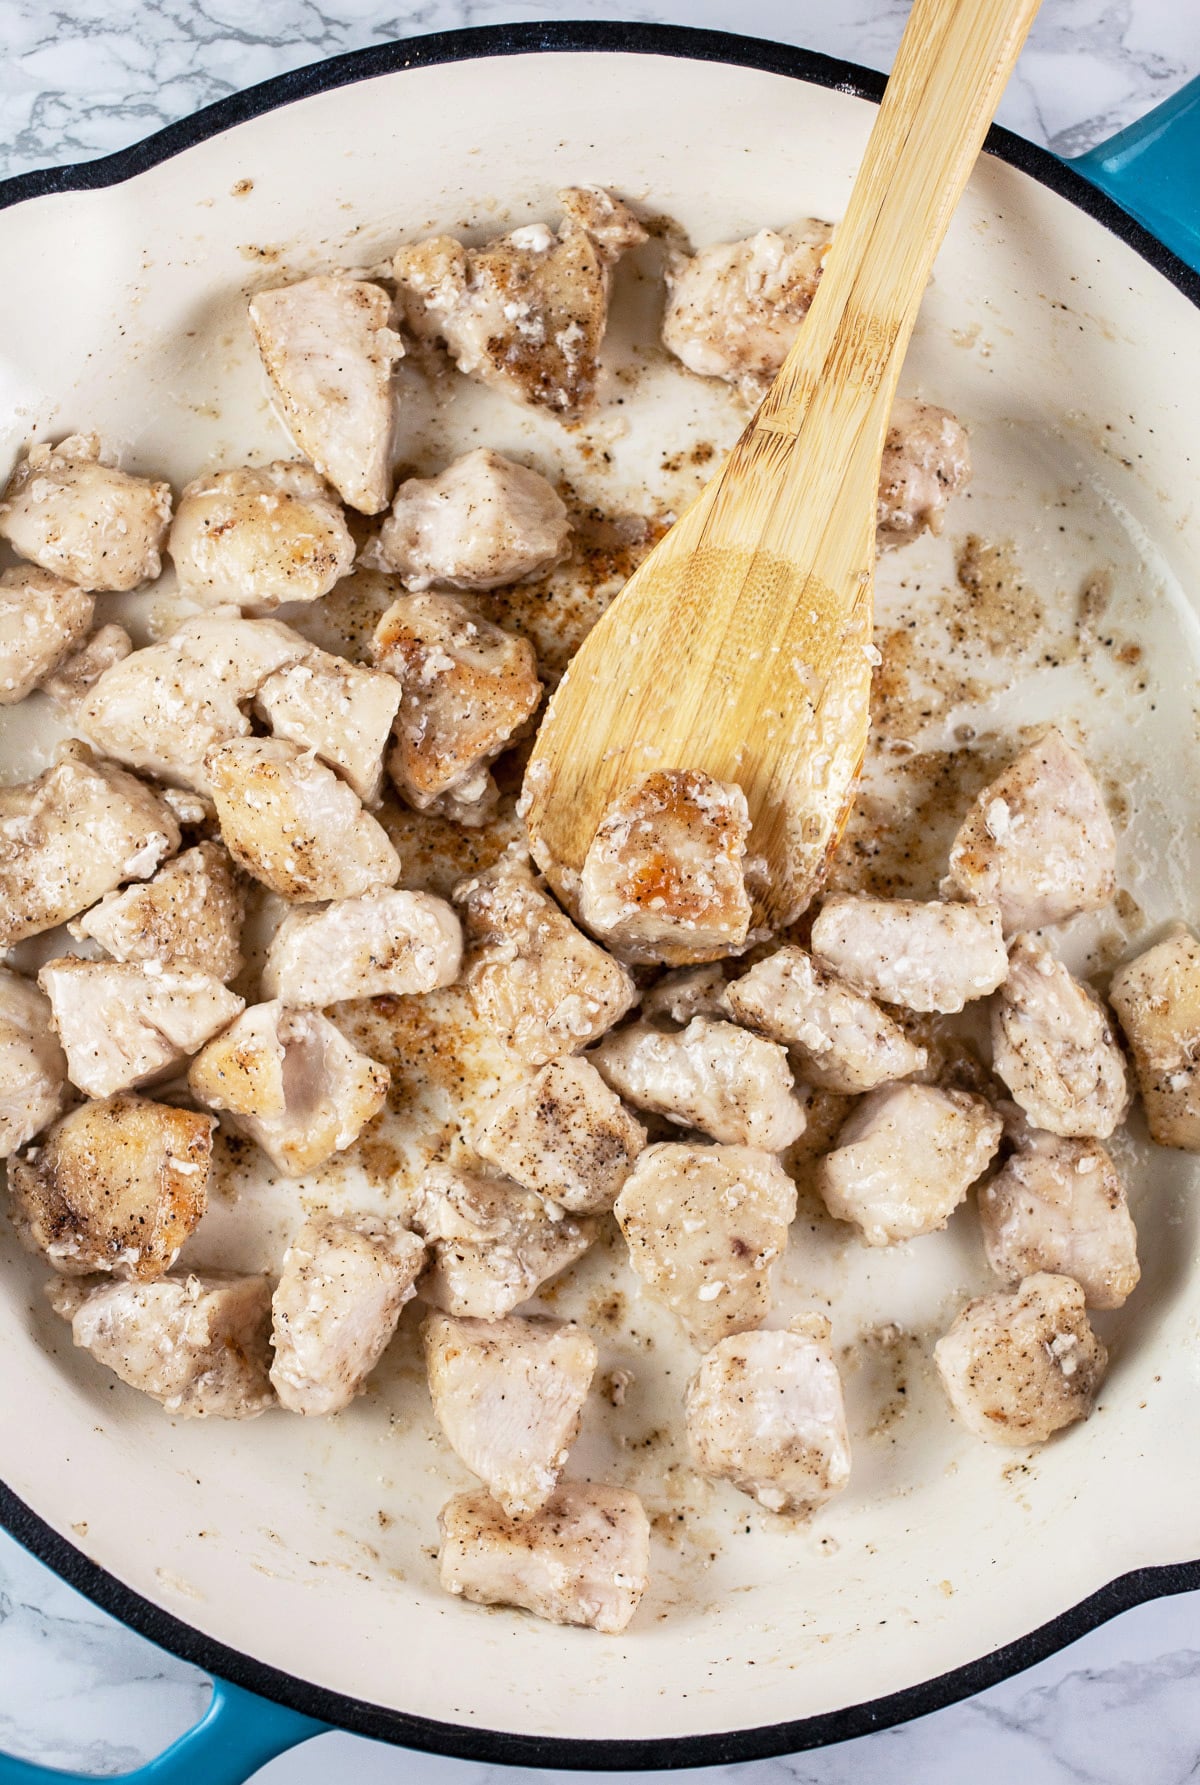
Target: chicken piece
(289,821)
(1059,1205)
(33,1067)
(341,711)
(690,991)
(335,1309)
(543,985)
(115,1186)
(1053,1046)
(492,1244)
(258,536)
(386,943)
(468,688)
(72,835)
(583,1559)
(526,314)
(290,1080)
(704,1226)
(78,518)
(663,876)
(124,1023)
(734,309)
(712,1076)
(1038,840)
(163,708)
(564,1134)
(509,1396)
(482,522)
(926,461)
(42,619)
(1019,1367)
(842,1039)
(197,1345)
(905,1160)
(190,913)
(329,353)
(765,1412)
(75,677)
(924,955)
(1157,998)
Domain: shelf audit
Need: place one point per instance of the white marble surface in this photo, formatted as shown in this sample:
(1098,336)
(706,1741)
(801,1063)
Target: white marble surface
(85,77)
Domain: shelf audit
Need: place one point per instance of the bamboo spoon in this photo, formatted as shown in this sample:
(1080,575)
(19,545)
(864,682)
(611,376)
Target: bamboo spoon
(740,645)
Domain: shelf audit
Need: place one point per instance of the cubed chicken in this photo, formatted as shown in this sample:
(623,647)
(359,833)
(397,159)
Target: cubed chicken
(905,1160)
(526,314)
(190,912)
(73,515)
(329,353)
(1053,1046)
(714,1076)
(74,678)
(42,620)
(197,1345)
(389,943)
(704,1226)
(926,461)
(492,1244)
(290,1080)
(765,1412)
(482,522)
(1157,998)
(114,1186)
(341,1287)
(689,991)
(841,1038)
(289,821)
(925,955)
(258,536)
(1038,840)
(564,1134)
(468,688)
(72,835)
(341,711)
(33,1067)
(583,1559)
(1059,1205)
(663,878)
(1019,1367)
(509,1396)
(545,987)
(734,309)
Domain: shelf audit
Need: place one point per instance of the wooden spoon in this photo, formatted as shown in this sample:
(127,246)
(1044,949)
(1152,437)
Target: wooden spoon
(740,645)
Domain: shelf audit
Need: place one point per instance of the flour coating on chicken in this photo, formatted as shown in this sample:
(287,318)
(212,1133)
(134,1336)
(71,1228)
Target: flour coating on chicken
(74,677)
(1059,1205)
(42,620)
(258,536)
(1157,999)
(1053,1046)
(482,522)
(564,1134)
(33,1067)
(714,1076)
(191,911)
(926,461)
(491,1243)
(385,943)
(926,955)
(341,711)
(79,518)
(126,1023)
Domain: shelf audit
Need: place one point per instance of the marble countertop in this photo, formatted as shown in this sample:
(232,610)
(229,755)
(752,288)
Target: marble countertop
(88,76)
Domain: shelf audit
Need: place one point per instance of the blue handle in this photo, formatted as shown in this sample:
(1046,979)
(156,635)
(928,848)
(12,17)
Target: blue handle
(1153,171)
(237,1734)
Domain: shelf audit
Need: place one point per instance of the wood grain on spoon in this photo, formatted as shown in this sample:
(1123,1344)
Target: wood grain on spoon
(740,645)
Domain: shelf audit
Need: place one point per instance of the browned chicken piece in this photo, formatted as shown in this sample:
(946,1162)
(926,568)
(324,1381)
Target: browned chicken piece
(663,878)
(704,1226)
(492,1244)
(926,461)
(468,688)
(544,985)
(482,522)
(905,1160)
(33,1067)
(389,943)
(924,954)
(289,1080)
(73,515)
(42,620)
(289,821)
(114,1186)
(341,1287)
(258,536)
(714,1076)
(1038,840)
(1053,1045)
(72,835)
(1019,1367)
(125,1023)
(1157,999)
(190,912)
(329,353)
(765,1412)
(509,1396)
(583,1559)
(690,991)
(526,314)
(1059,1205)
(75,677)
(197,1345)
(564,1134)
(341,711)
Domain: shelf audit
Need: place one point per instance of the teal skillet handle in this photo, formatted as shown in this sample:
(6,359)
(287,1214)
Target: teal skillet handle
(237,1734)
(1153,171)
